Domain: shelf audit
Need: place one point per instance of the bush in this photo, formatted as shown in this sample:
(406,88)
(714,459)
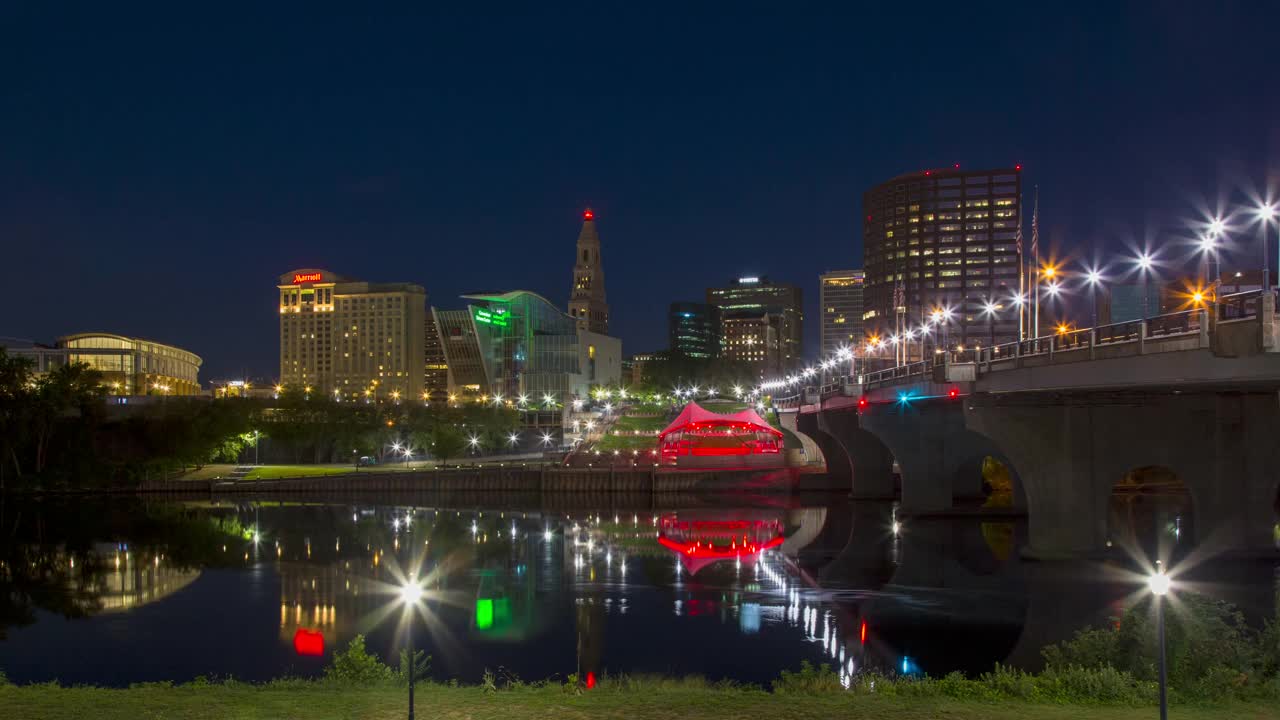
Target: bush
(357,665)
(1210,651)
(421,666)
(810,679)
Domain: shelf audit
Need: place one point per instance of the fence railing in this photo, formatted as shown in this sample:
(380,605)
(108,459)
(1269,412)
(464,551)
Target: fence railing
(1237,306)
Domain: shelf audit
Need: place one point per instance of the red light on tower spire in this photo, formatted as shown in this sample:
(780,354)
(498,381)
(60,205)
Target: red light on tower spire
(588,215)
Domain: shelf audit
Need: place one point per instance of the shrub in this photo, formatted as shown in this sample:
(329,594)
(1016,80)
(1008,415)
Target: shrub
(1210,651)
(808,680)
(421,666)
(357,665)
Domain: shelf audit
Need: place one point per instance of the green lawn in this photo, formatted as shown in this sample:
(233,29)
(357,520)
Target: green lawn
(272,472)
(626,443)
(652,424)
(321,701)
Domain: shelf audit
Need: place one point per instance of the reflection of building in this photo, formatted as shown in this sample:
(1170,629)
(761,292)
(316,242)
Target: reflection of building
(840,298)
(587,305)
(703,539)
(943,238)
(754,298)
(517,343)
(693,330)
(129,366)
(351,339)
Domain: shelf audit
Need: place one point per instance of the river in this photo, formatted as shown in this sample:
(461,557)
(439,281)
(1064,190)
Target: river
(725,586)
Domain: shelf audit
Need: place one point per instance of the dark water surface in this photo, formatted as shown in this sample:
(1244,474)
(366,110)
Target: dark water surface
(119,592)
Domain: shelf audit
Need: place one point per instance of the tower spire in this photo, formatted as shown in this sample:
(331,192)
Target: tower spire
(587,299)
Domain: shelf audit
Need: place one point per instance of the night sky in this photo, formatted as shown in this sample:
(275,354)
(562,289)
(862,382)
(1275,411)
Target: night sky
(159,168)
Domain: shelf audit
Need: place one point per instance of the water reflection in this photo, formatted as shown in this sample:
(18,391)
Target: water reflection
(739,591)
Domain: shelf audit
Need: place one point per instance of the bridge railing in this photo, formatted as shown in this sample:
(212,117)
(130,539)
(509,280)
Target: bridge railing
(1239,306)
(1227,308)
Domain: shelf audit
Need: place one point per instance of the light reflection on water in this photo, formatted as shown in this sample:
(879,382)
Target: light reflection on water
(738,593)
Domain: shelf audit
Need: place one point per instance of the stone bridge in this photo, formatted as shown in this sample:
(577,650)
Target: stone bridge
(1195,394)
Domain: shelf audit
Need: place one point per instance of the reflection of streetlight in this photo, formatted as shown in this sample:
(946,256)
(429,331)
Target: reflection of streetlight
(410,594)
(1160,584)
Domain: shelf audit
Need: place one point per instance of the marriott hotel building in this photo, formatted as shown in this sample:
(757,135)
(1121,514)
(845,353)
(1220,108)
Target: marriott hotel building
(351,339)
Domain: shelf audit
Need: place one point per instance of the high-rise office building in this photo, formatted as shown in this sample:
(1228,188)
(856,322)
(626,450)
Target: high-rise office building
(587,303)
(752,298)
(840,297)
(944,240)
(755,340)
(351,339)
(693,330)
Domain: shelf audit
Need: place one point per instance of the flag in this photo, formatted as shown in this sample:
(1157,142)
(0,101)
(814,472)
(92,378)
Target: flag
(899,297)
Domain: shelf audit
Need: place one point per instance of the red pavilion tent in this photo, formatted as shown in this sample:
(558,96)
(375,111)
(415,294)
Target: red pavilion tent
(698,432)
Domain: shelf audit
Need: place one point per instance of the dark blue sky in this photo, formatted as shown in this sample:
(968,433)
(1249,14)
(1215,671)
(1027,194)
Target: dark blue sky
(159,169)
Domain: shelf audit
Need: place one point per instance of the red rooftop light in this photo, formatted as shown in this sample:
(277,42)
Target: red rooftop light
(588,215)
(1017,167)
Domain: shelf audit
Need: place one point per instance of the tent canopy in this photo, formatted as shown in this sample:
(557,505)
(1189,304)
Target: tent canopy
(695,414)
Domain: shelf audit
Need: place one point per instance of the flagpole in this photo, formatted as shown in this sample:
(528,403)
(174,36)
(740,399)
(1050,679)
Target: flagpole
(1022,279)
(1035,251)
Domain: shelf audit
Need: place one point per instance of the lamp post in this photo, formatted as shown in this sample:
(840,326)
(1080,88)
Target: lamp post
(1144,267)
(1266,213)
(1094,279)
(1159,584)
(256,434)
(410,593)
(990,309)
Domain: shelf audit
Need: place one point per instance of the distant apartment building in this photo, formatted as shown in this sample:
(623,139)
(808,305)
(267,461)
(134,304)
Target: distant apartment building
(943,239)
(351,339)
(693,330)
(840,301)
(757,302)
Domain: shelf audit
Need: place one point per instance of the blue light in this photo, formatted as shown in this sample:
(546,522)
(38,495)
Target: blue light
(905,664)
(904,397)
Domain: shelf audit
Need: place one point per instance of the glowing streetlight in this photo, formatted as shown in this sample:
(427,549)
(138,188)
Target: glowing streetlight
(410,595)
(1144,261)
(1093,278)
(1160,584)
(513,439)
(1266,213)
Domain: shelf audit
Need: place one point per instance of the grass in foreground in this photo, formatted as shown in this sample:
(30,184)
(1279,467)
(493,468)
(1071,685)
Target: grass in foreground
(662,701)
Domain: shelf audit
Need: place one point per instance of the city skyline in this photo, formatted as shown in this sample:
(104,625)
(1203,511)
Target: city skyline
(152,181)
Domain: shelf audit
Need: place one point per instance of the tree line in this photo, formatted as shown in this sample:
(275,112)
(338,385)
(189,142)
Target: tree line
(58,431)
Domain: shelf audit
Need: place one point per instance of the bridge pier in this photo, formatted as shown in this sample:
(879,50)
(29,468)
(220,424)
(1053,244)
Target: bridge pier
(940,460)
(870,460)
(1071,450)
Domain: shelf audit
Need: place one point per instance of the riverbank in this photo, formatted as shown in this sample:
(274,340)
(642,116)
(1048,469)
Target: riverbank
(304,699)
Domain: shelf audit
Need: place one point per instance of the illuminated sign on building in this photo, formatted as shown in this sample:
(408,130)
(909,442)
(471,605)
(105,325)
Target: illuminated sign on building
(497,317)
(748,280)
(299,278)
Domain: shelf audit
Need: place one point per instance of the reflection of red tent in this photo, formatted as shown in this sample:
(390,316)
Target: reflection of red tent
(700,542)
(699,433)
